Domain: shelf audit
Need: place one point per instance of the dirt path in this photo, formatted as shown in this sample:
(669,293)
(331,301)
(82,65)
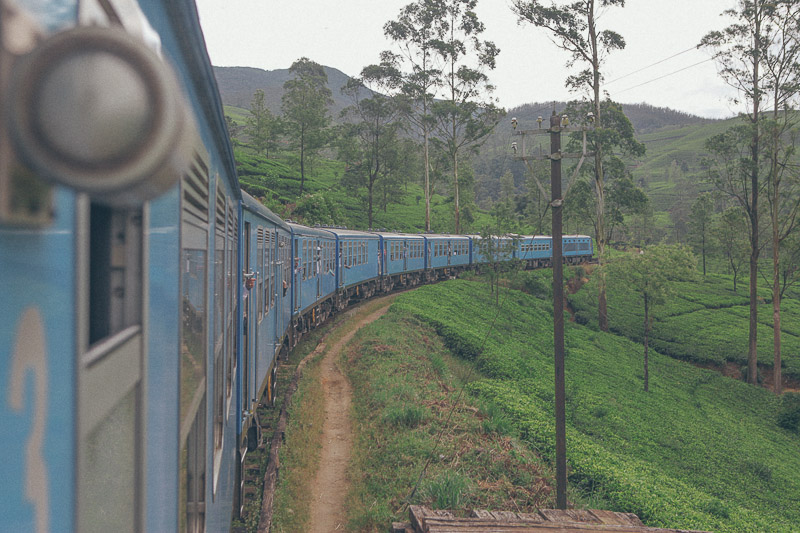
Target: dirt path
(330,485)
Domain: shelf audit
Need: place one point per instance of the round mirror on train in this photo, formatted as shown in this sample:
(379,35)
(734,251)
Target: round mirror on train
(95,110)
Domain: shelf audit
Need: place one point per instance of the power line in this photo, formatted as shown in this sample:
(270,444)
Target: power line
(650,65)
(665,75)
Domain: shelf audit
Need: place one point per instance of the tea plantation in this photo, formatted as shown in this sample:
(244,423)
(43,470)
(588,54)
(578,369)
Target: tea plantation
(704,321)
(698,451)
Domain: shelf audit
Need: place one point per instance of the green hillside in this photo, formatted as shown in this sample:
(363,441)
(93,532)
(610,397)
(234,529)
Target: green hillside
(325,201)
(698,451)
(705,322)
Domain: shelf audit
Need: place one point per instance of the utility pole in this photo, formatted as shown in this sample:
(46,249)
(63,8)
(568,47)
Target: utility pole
(557,125)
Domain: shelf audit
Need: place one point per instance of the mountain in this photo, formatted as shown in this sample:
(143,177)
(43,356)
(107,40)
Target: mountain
(237,85)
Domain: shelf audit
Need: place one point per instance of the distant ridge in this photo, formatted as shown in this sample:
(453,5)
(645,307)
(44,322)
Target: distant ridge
(644,117)
(237,85)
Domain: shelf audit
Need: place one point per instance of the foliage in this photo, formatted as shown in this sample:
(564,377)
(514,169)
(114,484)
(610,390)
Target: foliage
(465,115)
(648,273)
(789,413)
(416,32)
(305,104)
(701,218)
(368,141)
(261,127)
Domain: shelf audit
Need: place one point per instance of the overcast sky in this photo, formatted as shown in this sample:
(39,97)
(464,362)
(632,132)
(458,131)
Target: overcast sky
(348,34)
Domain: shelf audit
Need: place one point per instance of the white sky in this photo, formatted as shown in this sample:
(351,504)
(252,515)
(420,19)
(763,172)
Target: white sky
(348,35)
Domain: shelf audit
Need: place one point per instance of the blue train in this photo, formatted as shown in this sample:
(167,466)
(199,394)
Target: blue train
(145,298)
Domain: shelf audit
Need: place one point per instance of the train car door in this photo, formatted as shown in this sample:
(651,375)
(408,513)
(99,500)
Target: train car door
(405,254)
(246,315)
(449,251)
(279,283)
(298,268)
(318,266)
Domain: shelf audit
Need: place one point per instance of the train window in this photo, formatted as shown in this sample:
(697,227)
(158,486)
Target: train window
(268,265)
(115,270)
(192,483)
(219,329)
(233,299)
(305,258)
(194,328)
(261,271)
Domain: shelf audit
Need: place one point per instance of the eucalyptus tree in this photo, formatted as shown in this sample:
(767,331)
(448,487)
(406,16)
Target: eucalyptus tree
(649,273)
(780,132)
(369,135)
(573,26)
(465,115)
(416,33)
(730,232)
(701,218)
(741,51)
(305,103)
(261,126)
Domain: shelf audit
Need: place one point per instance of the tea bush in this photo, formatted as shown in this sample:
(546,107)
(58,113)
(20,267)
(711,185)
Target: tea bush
(698,451)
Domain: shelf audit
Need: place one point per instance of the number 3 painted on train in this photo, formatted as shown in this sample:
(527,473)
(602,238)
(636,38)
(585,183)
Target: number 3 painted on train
(29,354)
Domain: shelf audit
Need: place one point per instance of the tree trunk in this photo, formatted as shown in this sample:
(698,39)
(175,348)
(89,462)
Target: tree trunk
(455,186)
(704,251)
(302,163)
(646,339)
(602,311)
(776,314)
(427,181)
(752,354)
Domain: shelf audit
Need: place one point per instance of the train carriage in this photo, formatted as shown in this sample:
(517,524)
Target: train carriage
(357,258)
(577,248)
(314,274)
(120,271)
(146,299)
(535,250)
(266,314)
(446,251)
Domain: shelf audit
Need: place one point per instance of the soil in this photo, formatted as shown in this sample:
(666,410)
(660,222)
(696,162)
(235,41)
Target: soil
(330,484)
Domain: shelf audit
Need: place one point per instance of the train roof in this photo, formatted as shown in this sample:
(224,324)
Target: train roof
(305,230)
(254,206)
(341,232)
(444,236)
(391,234)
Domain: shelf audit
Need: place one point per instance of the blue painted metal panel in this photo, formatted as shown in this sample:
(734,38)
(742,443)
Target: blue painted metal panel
(163,362)
(37,372)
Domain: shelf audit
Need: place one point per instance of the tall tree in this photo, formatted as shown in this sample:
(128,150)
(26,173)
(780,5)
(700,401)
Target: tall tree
(574,28)
(261,126)
(701,217)
(465,116)
(782,84)
(649,274)
(369,136)
(416,32)
(739,51)
(305,103)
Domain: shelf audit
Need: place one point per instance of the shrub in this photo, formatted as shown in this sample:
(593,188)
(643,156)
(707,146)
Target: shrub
(447,490)
(789,413)
(409,416)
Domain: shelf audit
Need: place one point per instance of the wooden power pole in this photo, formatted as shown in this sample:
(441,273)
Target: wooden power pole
(557,125)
